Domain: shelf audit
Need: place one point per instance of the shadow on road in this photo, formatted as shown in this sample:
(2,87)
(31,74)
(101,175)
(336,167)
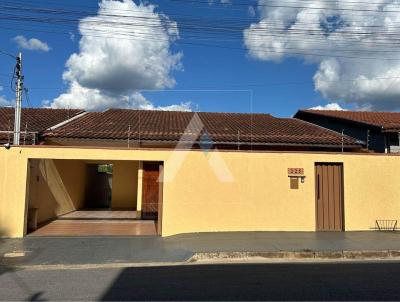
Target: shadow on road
(334,281)
(4,266)
(7,267)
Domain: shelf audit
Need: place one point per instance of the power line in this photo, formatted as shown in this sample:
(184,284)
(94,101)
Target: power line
(195,31)
(149,16)
(232,4)
(291,37)
(255,84)
(27,97)
(257,3)
(146,36)
(7,54)
(188,24)
(142,18)
(303,7)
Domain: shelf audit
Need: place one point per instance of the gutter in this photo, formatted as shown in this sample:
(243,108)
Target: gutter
(390,130)
(166,142)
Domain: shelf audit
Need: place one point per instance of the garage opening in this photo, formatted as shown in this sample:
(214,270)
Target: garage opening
(92,198)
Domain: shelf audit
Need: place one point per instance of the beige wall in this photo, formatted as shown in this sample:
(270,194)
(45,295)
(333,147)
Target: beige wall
(56,187)
(124,184)
(253,196)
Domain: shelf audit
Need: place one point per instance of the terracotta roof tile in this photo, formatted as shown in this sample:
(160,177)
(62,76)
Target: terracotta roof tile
(114,124)
(386,120)
(33,119)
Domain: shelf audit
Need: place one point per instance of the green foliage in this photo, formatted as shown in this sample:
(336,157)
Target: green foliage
(105,168)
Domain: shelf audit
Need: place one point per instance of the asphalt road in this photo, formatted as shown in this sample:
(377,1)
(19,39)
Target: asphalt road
(332,281)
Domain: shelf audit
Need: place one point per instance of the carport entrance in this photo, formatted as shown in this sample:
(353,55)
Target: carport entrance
(88,198)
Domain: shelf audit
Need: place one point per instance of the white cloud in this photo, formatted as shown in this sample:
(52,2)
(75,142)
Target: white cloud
(211,2)
(71,36)
(130,52)
(361,29)
(184,106)
(251,11)
(31,44)
(95,99)
(3,101)
(330,106)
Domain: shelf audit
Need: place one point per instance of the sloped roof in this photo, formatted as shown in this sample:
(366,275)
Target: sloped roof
(221,128)
(389,121)
(33,119)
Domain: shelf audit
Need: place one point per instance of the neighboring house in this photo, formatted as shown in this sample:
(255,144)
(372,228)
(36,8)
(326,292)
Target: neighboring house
(194,130)
(33,122)
(378,131)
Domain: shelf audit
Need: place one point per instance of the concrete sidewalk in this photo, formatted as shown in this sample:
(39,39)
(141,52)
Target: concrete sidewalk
(180,248)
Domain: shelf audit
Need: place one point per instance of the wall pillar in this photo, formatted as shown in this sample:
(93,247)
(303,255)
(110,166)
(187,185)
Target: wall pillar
(139,190)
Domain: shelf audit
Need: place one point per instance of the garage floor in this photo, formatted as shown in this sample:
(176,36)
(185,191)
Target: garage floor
(97,223)
(100,214)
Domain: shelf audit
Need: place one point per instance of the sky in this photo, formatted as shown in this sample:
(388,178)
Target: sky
(264,56)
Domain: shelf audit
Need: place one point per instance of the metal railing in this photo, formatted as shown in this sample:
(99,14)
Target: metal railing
(26,137)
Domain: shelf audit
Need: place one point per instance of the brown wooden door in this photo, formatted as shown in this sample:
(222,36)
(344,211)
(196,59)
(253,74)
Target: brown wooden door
(151,190)
(329,197)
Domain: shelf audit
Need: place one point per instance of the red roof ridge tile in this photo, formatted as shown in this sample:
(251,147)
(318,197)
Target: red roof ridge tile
(188,112)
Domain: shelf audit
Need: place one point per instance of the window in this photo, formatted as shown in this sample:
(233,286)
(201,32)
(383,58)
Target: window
(393,142)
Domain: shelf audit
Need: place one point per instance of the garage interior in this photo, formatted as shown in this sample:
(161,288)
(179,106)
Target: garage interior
(93,198)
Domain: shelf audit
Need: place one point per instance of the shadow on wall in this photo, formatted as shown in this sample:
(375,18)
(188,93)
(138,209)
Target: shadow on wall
(46,191)
(246,282)
(55,183)
(56,187)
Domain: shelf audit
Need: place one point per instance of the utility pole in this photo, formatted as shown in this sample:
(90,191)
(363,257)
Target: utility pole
(18,99)
(342,140)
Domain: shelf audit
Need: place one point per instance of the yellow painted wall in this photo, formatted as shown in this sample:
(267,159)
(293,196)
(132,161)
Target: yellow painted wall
(253,196)
(56,187)
(13,175)
(124,184)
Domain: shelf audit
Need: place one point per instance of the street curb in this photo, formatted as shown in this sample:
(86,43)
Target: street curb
(227,257)
(44,267)
(323,255)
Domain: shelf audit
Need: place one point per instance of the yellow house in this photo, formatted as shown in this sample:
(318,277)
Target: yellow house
(94,176)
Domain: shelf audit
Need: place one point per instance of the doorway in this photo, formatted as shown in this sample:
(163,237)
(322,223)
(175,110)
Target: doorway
(99,186)
(329,197)
(152,194)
